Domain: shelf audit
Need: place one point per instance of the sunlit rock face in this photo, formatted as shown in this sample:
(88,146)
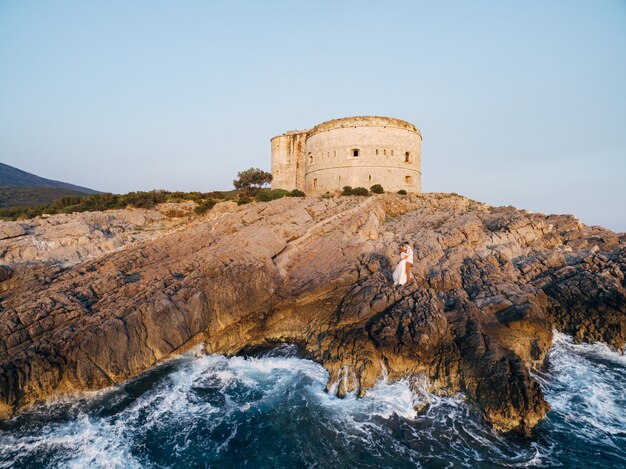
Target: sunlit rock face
(490,284)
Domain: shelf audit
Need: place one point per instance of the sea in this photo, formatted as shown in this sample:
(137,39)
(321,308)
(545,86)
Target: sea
(270,410)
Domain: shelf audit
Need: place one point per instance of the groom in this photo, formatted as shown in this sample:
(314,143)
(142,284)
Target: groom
(409,260)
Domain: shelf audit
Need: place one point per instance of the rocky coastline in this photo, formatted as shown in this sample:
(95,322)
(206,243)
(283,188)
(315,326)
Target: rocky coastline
(90,300)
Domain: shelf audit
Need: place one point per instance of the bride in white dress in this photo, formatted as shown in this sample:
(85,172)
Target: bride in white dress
(399,275)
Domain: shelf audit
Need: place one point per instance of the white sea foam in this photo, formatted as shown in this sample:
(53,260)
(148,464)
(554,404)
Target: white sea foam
(587,383)
(207,404)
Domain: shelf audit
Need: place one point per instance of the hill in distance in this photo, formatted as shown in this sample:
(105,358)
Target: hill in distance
(21,189)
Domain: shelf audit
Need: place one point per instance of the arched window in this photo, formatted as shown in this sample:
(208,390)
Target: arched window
(355,152)
(408,180)
(407,157)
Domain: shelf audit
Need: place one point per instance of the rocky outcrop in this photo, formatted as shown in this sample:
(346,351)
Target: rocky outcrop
(73,238)
(490,285)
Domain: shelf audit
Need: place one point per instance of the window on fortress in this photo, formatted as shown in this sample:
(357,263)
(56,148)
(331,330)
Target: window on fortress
(335,153)
(310,159)
(408,180)
(355,152)
(385,152)
(391,152)
(315,182)
(407,157)
(377,151)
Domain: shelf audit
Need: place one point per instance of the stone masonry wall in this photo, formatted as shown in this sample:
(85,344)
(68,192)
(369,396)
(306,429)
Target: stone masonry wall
(355,151)
(288,167)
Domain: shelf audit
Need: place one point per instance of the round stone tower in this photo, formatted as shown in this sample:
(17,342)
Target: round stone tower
(352,151)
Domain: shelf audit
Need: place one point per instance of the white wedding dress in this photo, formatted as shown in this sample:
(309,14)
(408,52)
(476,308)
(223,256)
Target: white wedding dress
(399,275)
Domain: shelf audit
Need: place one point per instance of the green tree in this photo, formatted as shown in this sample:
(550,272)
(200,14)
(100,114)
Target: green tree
(252,179)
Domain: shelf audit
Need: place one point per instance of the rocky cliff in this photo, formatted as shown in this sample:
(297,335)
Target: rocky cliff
(490,285)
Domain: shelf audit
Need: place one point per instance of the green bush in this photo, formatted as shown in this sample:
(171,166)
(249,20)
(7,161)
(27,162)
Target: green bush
(266,195)
(108,201)
(143,199)
(362,191)
(296,193)
(222,195)
(21,213)
(402,192)
(205,206)
(71,209)
(65,201)
(327,195)
(214,195)
(244,199)
(347,190)
(377,189)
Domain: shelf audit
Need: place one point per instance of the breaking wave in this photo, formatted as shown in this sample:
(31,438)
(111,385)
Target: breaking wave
(271,411)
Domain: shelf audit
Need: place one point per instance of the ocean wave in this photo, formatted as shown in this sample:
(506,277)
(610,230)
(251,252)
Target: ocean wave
(271,410)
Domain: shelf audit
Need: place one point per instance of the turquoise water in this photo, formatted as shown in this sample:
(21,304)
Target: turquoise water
(272,411)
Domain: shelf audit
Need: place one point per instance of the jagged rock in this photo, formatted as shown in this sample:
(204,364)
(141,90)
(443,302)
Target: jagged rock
(490,285)
(11,230)
(71,238)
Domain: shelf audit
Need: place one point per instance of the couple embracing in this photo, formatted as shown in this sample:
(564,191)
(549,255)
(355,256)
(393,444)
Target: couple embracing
(402,274)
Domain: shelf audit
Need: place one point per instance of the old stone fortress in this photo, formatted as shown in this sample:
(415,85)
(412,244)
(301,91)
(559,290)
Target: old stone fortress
(351,151)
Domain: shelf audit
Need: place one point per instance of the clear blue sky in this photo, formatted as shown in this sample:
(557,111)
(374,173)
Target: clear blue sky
(520,103)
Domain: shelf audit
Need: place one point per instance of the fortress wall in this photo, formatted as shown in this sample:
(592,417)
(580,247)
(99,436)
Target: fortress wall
(382,144)
(335,179)
(288,170)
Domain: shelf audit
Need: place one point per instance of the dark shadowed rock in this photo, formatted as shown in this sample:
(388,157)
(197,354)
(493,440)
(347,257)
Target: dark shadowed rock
(5,272)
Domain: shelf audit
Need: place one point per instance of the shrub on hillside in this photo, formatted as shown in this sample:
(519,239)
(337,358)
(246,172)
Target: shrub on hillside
(178,196)
(144,199)
(347,190)
(244,199)
(108,201)
(377,189)
(266,195)
(362,191)
(65,201)
(222,195)
(296,193)
(22,213)
(205,206)
(402,192)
